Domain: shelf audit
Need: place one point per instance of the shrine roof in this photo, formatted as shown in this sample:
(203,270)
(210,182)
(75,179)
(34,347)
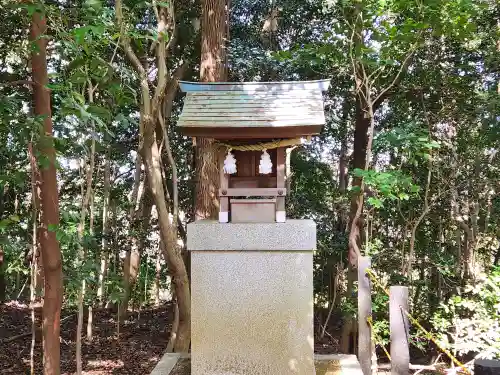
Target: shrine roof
(211,108)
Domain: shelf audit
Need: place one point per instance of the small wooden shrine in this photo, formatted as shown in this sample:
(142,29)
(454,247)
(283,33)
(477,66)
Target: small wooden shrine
(254,123)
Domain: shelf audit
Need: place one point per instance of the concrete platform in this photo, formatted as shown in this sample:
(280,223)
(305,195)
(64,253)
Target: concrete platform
(331,364)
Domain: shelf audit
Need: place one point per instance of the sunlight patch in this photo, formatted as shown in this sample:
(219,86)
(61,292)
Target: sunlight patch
(108,364)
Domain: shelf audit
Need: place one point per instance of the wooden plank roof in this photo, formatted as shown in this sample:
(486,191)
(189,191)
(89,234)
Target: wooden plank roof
(232,105)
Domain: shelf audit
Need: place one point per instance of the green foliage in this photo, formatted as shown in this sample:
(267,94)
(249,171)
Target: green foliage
(440,121)
(469,323)
(391,185)
(411,143)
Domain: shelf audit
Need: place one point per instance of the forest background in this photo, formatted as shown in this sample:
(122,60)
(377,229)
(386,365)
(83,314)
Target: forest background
(97,184)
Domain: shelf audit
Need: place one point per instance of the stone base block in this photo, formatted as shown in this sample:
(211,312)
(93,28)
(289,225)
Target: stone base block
(252,310)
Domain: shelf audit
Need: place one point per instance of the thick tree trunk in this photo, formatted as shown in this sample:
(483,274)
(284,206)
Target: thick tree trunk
(212,69)
(359,162)
(150,115)
(355,224)
(51,253)
(213,35)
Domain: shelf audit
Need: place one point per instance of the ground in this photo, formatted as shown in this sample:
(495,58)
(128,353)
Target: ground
(183,367)
(142,341)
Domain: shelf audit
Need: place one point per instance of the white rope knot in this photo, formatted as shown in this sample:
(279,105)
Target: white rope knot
(265,165)
(230,163)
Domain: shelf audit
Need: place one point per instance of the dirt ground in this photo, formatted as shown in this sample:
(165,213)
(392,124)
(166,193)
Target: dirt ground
(136,350)
(140,345)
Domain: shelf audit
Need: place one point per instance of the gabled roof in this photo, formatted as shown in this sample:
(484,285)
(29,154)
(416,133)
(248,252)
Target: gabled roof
(253,109)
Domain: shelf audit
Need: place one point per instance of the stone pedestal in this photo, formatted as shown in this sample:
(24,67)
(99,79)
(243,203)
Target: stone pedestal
(252,298)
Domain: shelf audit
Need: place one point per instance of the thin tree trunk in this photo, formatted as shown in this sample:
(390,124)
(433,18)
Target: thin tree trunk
(3,284)
(86,198)
(105,231)
(33,286)
(408,266)
(51,253)
(175,327)
(347,328)
(133,259)
(334,298)
(455,208)
(90,317)
(132,256)
(35,190)
(32,303)
(158,275)
(146,280)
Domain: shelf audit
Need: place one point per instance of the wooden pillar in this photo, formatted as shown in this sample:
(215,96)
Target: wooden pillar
(399,327)
(364,312)
(224,185)
(280,183)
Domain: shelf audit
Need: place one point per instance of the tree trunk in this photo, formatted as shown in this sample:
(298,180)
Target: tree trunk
(35,250)
(359,162)
(133,258)
(172,252)
(90,316)
(175,327)
(355,227)
(86,198)
(51,253)
(158,275)
(129,269)
(212,69)
(3,284)
(346,336)
(36,181)
(455,208)
(105,231)
(150,115)
(343,158)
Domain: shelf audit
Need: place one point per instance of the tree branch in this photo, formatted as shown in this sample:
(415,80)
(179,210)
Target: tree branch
(384,93)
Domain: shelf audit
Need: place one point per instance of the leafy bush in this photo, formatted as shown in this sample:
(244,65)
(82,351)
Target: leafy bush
(470,323)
